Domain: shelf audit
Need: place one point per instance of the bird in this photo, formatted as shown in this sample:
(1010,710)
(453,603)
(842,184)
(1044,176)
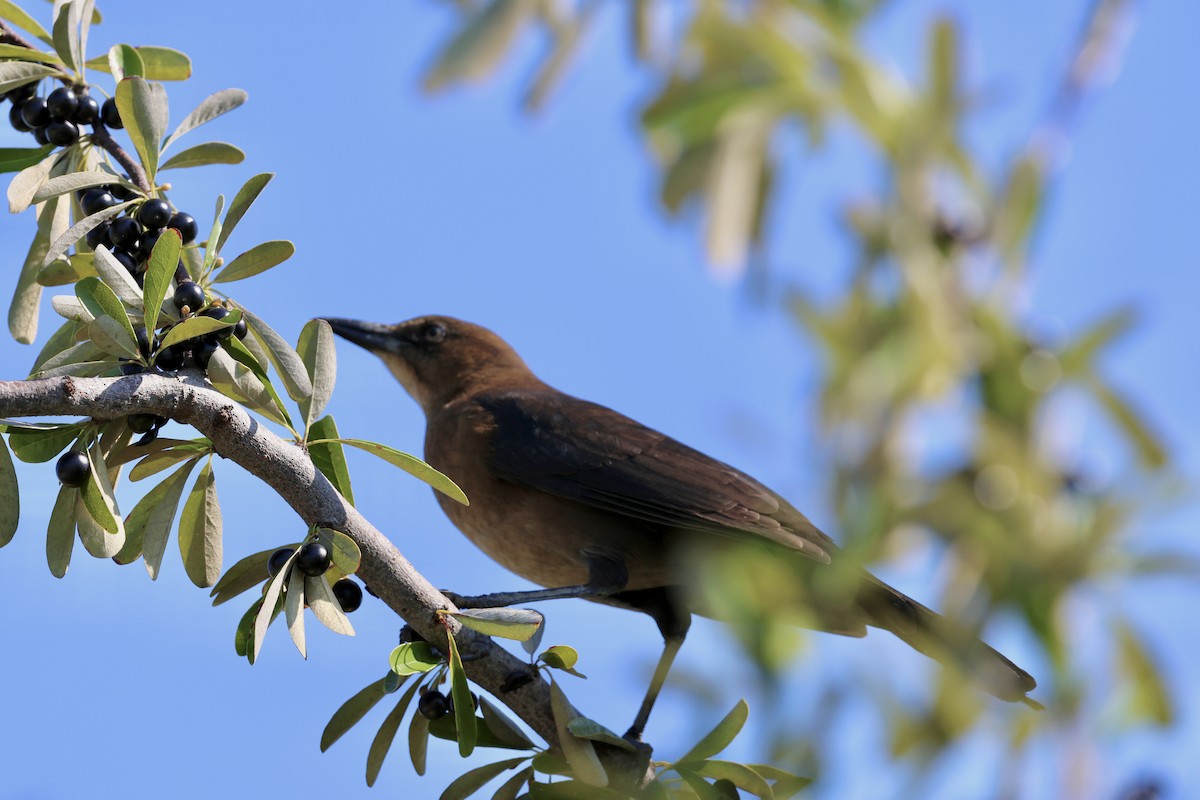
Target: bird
(589,503)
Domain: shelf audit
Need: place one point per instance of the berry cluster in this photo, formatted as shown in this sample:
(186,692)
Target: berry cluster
(131,238)
(313,560)
(58,117)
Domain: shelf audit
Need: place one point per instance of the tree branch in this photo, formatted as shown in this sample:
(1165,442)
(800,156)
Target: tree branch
(9,36)
(286,468)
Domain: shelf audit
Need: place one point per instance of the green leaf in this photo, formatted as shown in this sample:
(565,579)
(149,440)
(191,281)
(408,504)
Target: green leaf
(719,737)
(294,608)
(1149,699)
(584,728)
(26,182)
(325,606)
(240,383)
(67,270)
(10,496)
(470,782)
(66,35)
(242,576)
(351,711)
(268,610)
(702,788)
(245,631)
(204,154)
(14,74)
(37,446)
(238,351)
(79,230)
(17,16)
(60,340)
(200,533)
(785,785)
(480,45)
(344,553)
(255,260)
(464,706)
(99,299)
(503,728)
(148,525)
(19,53)
(26,300)
(114,275)
(241,203)
(196,326)
(110,337)
(1147,445)
(329,457)
(418,741)
(519,624)
(411,658)
(287,362)
(410,464)
(124,62)
(387,733)
(512,787)
(60,535)
(316,350)
(560,656)
(158,63)
(15,159)
(159,273)
(213,106)
(143,108)
(74,181)
(97,541)
(739,775)
(165,459)
(98,499)
(580,753)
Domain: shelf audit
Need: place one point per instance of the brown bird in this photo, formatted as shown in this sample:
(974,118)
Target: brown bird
(589,503)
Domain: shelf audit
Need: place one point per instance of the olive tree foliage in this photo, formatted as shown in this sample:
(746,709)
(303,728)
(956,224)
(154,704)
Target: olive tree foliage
(153,331)
(928,322)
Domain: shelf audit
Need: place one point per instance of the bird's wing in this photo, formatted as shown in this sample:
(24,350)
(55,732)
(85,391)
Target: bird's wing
(582,451)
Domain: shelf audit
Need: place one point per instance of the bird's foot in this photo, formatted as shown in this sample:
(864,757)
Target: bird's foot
(459,600)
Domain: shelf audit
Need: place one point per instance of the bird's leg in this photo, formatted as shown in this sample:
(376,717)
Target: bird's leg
(606,576)
(674,619)
(670,649)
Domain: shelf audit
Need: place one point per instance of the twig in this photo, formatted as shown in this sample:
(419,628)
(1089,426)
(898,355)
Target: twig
(9,36)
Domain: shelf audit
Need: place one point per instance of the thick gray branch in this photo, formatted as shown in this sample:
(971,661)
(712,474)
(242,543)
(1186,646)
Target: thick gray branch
(286,468)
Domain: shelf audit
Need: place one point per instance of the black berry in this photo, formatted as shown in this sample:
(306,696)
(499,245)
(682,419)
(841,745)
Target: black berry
(98,235)
(155,213)
(219,313)
(277,560)
(121,192)
(189,293)
(96,200)
(185,224)
(62,133)
(171,358)
(203,352)
(141,423)
(127,261)
(131,368)
(348,594)
(109,114)
(124,232)
(16,120)
(73,468)
(87,112)
(433,705)
(147,242)
(143,339)
(181,273)
(313,559)
(62,103)
(241,329)
(34,112)
(39,135)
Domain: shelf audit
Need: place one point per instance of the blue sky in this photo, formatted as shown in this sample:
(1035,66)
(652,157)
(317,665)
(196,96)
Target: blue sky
(545,229)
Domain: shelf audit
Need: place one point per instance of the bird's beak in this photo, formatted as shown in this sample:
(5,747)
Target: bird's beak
(372,336)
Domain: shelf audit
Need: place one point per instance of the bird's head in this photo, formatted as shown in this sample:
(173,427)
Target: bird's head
(438,358)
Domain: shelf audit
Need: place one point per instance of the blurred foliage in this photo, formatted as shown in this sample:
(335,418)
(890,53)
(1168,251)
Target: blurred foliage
(928,327)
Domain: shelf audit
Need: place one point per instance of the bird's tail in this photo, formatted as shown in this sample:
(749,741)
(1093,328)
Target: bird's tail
(930,633)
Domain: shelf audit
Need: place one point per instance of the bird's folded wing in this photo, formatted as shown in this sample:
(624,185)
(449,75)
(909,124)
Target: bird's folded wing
(582,451)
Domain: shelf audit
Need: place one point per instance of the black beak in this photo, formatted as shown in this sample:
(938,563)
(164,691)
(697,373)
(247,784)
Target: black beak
(369,335)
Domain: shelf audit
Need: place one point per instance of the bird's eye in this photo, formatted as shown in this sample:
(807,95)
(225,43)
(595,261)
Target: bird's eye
(433,332)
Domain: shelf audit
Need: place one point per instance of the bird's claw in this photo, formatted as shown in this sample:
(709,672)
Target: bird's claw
(459,600)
